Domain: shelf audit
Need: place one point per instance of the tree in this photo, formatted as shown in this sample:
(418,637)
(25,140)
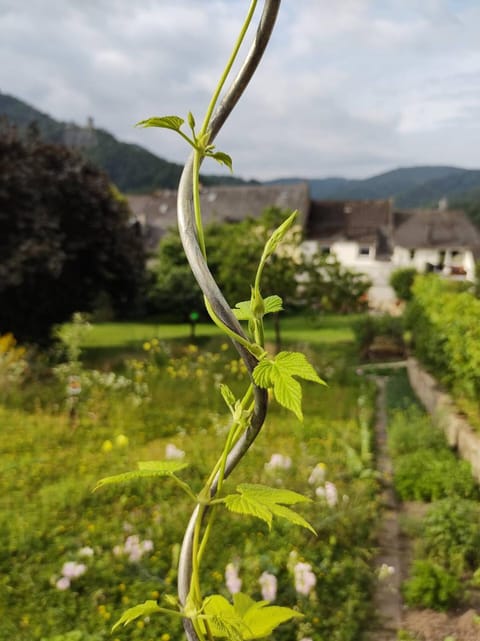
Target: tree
(233,251)
(66,238)
(328,286)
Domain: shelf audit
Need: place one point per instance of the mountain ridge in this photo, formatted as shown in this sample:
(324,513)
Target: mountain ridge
(134,169)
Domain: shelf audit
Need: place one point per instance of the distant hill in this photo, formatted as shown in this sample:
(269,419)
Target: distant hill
(409,186)
(131,167)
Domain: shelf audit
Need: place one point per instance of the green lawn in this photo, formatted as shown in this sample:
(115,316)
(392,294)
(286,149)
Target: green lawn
(111,340)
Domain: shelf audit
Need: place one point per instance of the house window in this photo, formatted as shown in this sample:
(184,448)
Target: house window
(412,254)
(364,250)
(324,250)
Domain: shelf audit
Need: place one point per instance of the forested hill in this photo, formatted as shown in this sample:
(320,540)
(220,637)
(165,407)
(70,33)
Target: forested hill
(409,187)
(131,167)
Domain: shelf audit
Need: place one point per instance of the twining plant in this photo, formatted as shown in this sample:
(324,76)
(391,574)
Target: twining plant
(214,616)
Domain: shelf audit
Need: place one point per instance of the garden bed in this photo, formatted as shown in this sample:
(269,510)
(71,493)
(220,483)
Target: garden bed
(439,540)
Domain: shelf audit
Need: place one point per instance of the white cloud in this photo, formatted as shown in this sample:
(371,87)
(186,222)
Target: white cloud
(347,88)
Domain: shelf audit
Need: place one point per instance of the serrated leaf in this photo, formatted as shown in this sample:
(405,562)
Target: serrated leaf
(278,374)
(296,364)
(141,610)
(265,502)
(278,235)
(242,504)
(222,159)
(272,495)
(273,304)
(223,620)
(293,517)
(165,122)
(261,620)
(163,468)
(147,469)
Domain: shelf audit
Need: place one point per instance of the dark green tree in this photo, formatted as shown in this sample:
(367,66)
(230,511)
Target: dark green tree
(66,238)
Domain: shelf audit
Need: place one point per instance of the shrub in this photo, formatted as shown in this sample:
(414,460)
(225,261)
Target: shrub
(428,475)
(451,535)
(410,430)
(431,586)
(401,280)
(446,333)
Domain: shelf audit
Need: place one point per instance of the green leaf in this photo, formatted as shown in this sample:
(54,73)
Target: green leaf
(223,620)
(222,159)
(265,502)
(242,504)
(243,310)
(245,619)
(228,396)
(273,304)
(272,495)
(141,610)
(191,120)
(278,235)
(147,469)
(165,122)
(278,374)
(259,618)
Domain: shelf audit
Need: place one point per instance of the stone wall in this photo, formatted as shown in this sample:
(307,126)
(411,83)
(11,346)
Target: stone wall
(445,415)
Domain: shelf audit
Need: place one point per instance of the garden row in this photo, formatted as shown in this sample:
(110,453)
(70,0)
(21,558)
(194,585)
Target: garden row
(72,561)
(440,500)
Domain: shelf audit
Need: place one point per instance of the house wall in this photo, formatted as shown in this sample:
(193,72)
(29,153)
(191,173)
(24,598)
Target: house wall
(402,258)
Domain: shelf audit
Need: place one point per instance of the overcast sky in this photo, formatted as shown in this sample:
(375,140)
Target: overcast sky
(346,88)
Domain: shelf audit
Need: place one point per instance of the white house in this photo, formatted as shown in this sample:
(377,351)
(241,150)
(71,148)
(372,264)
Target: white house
(368,236)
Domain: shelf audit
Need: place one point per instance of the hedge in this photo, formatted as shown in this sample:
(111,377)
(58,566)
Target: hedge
(445,327)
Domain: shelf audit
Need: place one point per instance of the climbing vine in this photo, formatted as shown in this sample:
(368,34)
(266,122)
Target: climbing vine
(213,616)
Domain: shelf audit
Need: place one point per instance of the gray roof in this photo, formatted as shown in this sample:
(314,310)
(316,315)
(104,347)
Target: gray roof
(157,212)
(361,221)
(450,229)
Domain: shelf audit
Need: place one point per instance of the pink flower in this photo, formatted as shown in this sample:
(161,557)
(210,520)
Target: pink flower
(279,462)
(172,452)
(305,579)
(318,474)
(268,585)
(329,493)
(72,570)
(232,580)
(63,583)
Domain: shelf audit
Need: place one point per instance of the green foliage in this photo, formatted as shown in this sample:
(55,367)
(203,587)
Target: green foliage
(245,619)
(370,327)
(66,238)
(146,469)
(328,286)
(401,280)
(431,586)
(141,610)
(278,373)
(428,475)
(265,503)
(451,536)
(410,430)
(446,334)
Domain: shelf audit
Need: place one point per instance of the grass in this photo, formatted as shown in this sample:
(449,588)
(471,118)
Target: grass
(49,513)
(111,341)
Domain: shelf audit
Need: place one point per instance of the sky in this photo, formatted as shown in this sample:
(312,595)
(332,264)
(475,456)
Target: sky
(347,88)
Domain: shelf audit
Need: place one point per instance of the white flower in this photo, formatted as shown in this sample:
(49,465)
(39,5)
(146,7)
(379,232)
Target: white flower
(329,493)
(279,462)
(63,583)
(147,545)
(85,551)
(268,585)
(72,570)
(173,452)
(305,579)
(232,580)
(385,571)
(318,474)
